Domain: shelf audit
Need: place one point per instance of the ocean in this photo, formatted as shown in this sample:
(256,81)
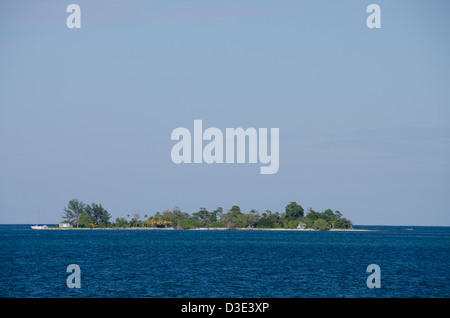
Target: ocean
(413,262)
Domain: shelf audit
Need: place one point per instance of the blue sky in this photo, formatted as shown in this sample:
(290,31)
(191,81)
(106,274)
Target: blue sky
(364,114)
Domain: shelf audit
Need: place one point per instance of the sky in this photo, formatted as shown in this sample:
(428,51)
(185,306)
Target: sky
(363,114)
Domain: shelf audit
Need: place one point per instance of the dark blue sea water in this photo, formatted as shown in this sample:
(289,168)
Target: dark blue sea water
(414,262)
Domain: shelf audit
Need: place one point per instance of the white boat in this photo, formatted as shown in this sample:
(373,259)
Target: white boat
(39,227)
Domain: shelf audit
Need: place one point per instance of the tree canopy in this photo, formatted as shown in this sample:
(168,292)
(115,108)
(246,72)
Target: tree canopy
(79,214)
(92,215)
(294,211)
(73,211)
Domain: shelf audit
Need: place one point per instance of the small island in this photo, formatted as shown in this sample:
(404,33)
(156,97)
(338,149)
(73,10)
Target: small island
(78,215)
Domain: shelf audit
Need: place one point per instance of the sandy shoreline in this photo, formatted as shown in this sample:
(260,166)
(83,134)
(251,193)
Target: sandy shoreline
(207,229)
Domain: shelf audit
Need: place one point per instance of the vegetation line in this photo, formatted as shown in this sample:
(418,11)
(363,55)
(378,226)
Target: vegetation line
(81,215)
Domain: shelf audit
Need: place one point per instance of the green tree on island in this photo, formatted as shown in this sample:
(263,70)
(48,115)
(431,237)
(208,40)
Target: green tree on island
(321,225)
(270,220)
(204,217)
(334,220)
(230,218)
(294,211)
(86,221)
(73,211)
(79,214)
(98,214)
